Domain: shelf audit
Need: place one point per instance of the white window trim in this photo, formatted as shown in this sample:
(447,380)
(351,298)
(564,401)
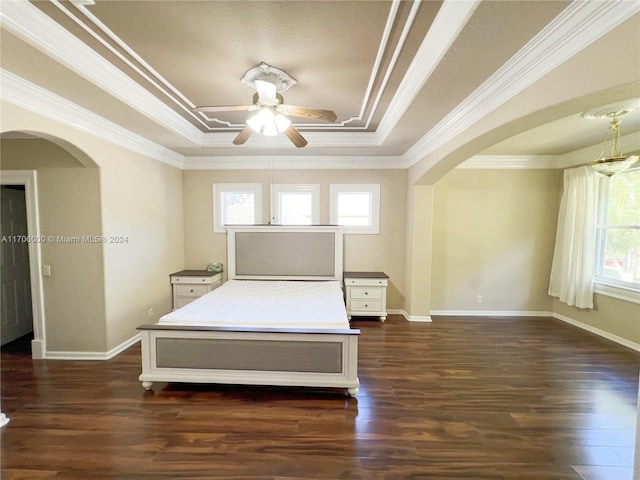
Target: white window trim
(220,188)
(608,286)
(604,286)
(278,188)
(374,189)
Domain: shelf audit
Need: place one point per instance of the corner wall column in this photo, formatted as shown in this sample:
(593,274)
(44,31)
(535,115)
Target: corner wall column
(419,249)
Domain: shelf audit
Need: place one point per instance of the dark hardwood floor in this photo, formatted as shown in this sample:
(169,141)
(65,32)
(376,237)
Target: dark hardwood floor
(461,398)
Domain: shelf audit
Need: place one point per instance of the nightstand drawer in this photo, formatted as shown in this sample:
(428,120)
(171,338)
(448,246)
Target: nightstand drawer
(366,292)
(192,289)
(378,282)
(194,280)
(366,305)
(182,301)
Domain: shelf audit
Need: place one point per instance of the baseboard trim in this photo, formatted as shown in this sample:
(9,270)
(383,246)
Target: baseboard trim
(415,318)
(489,313)
(602,333)
(38,349)
(94,355)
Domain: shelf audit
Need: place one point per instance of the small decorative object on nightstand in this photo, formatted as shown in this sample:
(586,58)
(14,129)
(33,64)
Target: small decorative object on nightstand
(191,284)
(366,294)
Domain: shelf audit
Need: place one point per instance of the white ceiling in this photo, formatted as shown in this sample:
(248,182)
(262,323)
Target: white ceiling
(394,72)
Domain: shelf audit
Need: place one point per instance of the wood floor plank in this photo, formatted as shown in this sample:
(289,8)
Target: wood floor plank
(460,398)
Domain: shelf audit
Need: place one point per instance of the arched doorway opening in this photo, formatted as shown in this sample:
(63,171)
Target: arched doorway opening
(31,161)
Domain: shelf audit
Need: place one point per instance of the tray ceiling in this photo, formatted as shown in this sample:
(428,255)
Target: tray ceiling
(391,70)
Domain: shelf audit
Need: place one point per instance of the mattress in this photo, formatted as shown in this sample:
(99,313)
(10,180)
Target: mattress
(266,303)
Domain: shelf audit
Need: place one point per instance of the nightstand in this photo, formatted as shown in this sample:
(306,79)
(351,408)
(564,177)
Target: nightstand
(366,294)
(191,284)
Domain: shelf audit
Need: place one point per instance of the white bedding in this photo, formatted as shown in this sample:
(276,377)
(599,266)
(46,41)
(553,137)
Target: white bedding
(268,303)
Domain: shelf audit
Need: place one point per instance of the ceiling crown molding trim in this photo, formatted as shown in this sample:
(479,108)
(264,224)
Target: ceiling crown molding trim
(36,28)
(315,139)
(567,160)
(152,76)
(24,94)
(394,58)
(577,27)
(449,22)
(265,162)
(511,162)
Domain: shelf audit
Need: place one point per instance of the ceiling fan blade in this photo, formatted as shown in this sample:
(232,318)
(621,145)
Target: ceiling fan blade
(294,135)
(266,92)
(305,112)
(222,108)
(243,136)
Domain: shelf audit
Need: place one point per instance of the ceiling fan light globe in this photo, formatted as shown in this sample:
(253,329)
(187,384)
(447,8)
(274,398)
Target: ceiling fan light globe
(269,130)
(260,120)
(268,123)
(281,122)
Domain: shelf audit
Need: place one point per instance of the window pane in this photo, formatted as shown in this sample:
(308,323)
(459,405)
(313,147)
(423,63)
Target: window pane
(620,232)
(624,199)
(238,208)
(622,255)
(354,208)
(295,208)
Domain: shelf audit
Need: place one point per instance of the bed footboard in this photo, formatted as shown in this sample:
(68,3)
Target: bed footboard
(253,356)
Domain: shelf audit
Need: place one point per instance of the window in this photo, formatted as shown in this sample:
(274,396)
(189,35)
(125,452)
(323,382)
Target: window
(236,204)
(618,232)
(295,204)
(357,207)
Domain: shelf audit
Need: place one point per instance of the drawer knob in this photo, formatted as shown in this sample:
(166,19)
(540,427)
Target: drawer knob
(192,290)
(366,293)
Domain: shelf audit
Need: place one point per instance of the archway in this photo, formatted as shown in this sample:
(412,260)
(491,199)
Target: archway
(28,157)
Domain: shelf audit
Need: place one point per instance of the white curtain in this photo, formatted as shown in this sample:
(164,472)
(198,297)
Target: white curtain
(574,255)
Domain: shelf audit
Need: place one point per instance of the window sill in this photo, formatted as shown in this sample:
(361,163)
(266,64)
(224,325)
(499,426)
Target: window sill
(615,291)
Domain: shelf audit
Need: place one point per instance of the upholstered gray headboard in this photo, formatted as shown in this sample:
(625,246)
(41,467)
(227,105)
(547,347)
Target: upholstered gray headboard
(278,252)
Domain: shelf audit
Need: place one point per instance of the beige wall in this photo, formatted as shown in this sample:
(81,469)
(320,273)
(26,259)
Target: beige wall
(494,233)
(418,260)
(141,200)
(383,252)
(69,200)
(143,203)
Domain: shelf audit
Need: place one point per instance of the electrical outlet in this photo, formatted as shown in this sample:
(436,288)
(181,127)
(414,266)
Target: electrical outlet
(150,312)
(479,298)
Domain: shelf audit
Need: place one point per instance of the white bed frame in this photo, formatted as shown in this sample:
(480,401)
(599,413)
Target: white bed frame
(261,356)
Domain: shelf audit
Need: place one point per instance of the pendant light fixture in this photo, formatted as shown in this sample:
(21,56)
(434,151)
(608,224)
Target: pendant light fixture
(611,159)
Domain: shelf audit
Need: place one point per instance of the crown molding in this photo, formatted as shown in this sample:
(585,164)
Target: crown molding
(532,162)
(24,94)
(449,22)
(317,139)
(36,28)
(577,27)
(511,162)
(297,162)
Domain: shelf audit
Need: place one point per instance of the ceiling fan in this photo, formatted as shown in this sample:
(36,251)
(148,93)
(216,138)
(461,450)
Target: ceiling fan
(271,111)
